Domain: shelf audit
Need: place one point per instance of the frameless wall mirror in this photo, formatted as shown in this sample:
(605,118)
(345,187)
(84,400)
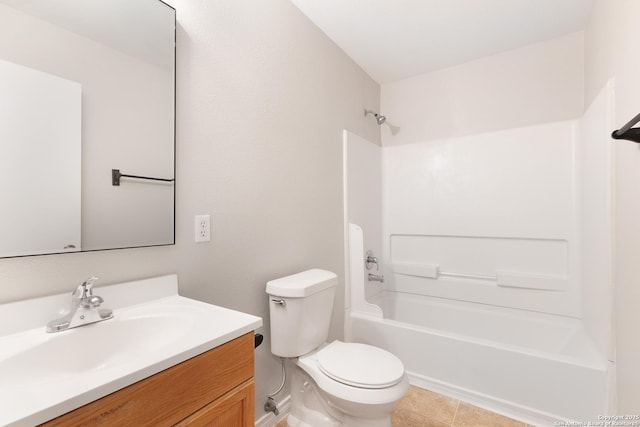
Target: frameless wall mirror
(86,87)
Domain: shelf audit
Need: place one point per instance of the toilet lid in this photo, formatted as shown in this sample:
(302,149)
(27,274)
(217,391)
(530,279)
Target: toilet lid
(360,365)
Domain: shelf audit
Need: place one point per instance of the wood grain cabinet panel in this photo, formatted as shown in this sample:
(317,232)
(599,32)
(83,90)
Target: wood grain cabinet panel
(212,389)
(234,409)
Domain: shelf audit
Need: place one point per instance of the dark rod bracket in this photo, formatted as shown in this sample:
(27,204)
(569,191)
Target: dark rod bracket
(116,175)
(628,132)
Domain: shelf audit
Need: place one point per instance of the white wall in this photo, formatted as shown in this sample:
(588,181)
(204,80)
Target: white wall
(612,40)
(263,97)
(539,83)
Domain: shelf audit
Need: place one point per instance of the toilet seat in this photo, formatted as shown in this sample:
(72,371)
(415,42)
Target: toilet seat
(360,365)
(338,391)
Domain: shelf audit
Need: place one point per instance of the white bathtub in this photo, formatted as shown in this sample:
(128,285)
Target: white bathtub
(532,366)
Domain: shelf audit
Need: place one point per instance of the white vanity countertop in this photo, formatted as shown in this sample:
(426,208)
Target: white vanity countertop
(44,375)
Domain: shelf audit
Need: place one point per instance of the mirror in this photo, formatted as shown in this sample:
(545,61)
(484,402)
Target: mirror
(86,87)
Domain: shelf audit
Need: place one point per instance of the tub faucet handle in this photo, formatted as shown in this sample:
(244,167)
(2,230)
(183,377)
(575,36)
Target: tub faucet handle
(371,259)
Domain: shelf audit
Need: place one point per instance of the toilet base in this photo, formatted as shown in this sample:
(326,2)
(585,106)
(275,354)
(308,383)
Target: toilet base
(310,408)
(293,421)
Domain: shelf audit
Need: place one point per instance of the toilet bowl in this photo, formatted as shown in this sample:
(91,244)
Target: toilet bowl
(333,384)
(358,380)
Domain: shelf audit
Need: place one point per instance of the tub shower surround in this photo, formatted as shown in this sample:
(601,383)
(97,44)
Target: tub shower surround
(496,254)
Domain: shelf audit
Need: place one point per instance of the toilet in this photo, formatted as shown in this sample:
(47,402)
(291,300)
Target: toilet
(333,384)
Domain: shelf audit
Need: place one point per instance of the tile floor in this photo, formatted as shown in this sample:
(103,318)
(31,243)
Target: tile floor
(424,408)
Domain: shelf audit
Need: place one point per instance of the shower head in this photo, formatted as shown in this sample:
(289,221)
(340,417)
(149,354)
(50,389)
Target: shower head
(380,119)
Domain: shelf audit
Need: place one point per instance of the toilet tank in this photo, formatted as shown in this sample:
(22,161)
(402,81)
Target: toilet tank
(300,308)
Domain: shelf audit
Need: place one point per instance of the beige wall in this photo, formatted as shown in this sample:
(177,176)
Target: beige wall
(538,83)
(612,40)
(263,97)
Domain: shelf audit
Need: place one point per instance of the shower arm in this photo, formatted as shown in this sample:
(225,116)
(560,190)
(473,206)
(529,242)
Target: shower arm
(380,119)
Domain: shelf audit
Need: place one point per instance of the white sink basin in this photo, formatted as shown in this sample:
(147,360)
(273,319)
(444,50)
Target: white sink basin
(130,334)
(43,375)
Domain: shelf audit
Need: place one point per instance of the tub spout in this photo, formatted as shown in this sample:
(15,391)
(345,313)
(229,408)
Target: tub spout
(375,277)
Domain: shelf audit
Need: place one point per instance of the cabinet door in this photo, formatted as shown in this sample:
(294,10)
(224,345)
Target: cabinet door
(234,409)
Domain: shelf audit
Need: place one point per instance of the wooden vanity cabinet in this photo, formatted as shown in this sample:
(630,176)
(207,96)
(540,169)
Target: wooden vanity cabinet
(215,388)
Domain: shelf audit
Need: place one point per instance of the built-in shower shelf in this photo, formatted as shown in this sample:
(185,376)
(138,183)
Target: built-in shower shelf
(510,279)
(507,279)
(432,271)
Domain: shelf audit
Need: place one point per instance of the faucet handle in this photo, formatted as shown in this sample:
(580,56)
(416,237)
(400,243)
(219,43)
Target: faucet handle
(94,301)
(84,290)
(371,259)
(89,282)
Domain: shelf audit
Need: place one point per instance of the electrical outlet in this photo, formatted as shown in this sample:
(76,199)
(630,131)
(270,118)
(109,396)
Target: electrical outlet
(202,228)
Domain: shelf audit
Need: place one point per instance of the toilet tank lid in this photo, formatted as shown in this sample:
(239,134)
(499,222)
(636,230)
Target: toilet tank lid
(302,284)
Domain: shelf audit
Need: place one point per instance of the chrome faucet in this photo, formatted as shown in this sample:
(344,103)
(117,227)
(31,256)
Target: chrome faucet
(84,309)
(371,259)
(375,277)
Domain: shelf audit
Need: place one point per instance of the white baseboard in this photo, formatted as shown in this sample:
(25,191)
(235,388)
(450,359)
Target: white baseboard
(270,419)
(499,406)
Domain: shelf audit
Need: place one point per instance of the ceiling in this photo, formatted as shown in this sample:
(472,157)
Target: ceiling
(396,39)
(144,28)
